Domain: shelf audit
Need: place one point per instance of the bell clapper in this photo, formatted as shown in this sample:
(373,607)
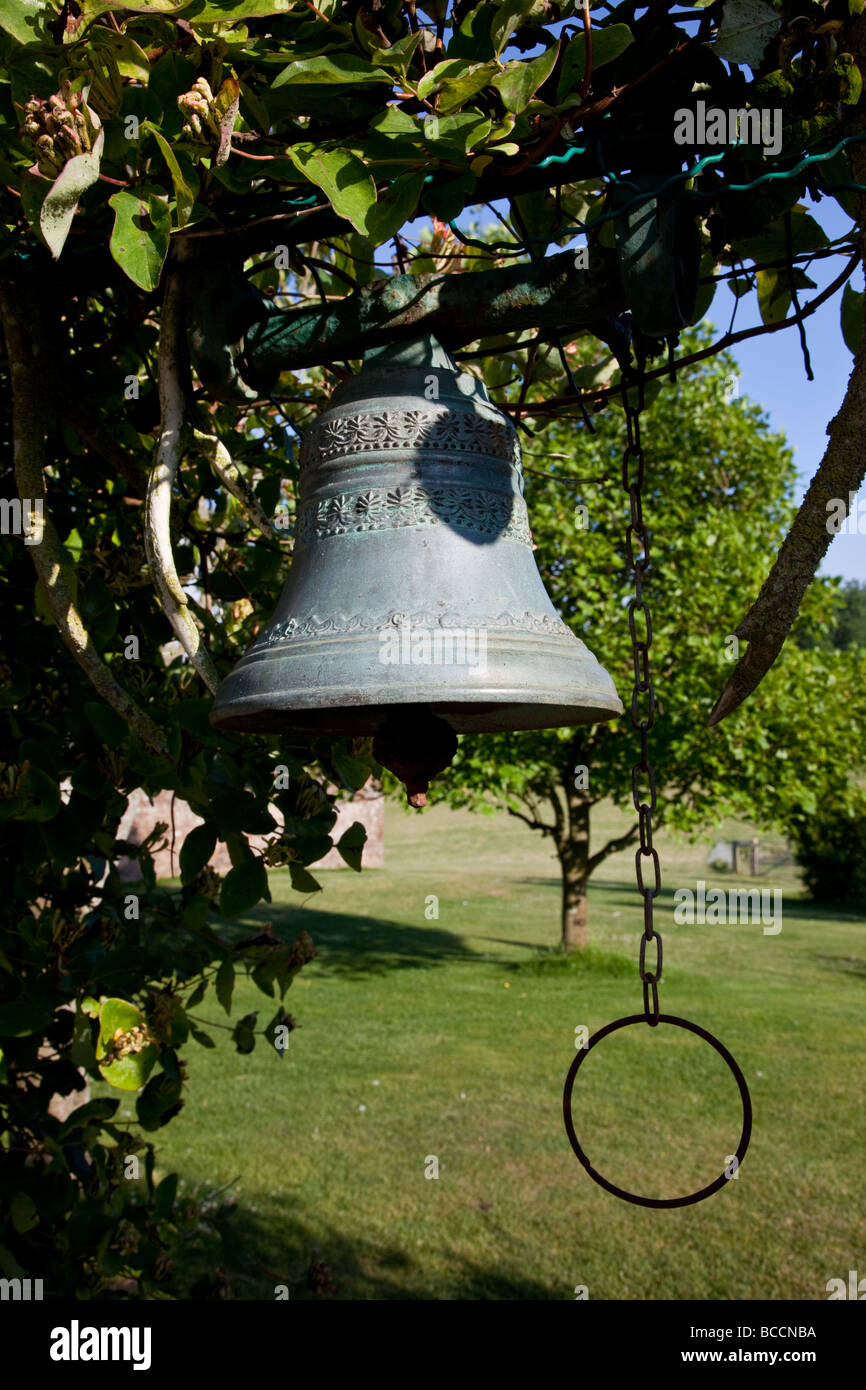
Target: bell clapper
(415,745)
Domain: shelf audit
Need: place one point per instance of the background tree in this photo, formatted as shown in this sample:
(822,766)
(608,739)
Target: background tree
(719,494)
(848,628)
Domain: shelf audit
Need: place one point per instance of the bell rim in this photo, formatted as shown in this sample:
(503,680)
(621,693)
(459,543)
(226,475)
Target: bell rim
(323,711)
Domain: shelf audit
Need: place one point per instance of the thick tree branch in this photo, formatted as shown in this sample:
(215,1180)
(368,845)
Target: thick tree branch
(157,532)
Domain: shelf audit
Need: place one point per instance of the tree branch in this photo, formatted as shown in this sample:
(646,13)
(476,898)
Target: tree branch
(612,847)
(157,532)
(533,824)
(28,377)
(541,408)
(234,482)
(561,828)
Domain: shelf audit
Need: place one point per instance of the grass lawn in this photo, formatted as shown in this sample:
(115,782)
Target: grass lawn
(451,1038)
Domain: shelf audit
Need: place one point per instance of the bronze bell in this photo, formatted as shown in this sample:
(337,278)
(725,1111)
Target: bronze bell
(414,609)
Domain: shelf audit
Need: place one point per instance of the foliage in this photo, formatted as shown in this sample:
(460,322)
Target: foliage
(133,136)
(847,627)
(355,120)
(142,962)
(829,847)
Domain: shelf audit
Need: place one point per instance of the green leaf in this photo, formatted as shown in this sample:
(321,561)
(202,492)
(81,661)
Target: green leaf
(131,61)
(201,1037)
(351,844)
(106,723)
(127,1070)
(243,887)
(184,191)
(464,130)
(393,121)
(342,68)
(243,1034)
(23,19)
(82,1052)
(39,796)
(225,983)
(398,56)
(770,243)
(302,879)
(343,178)
(196,850)
(473,39)
(834,172)
(446,200)
(280,1020)
(746,29)
(456,80)
(218,10)
(19,1019)
(92,9)
(852,80)
(507,19)
(34,191)
(263,976)
(353,772)
(608,42)
(706,293)
(159,1101)
(520,81)
(852,318)
(165,1196)
(537,213)
(774,291)
(24,1212)
(61,200)
(93,1111)
(395,207)
(197,995)
(139,240)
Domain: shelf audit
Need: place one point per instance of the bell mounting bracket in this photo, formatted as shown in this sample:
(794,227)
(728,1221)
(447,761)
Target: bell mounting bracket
(240,341)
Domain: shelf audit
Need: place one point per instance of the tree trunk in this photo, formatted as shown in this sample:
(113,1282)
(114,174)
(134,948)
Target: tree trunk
(574,862)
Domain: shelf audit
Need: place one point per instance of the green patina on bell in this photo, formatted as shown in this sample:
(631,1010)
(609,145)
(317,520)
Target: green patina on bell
(414,609)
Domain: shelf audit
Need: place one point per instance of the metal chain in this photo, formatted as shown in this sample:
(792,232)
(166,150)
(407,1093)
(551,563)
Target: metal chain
(643,704)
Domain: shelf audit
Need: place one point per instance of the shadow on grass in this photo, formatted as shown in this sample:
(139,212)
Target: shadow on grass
(798,908)
(824,912)
(366,945)
(272,1246)
(847,965)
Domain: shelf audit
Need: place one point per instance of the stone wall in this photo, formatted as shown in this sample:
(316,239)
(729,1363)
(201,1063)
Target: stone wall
(142,814)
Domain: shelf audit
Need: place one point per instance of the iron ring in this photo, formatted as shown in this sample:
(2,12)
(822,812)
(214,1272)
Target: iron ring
(597,1177)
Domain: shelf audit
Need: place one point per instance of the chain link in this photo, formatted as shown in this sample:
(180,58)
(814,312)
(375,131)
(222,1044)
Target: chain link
(643,701)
